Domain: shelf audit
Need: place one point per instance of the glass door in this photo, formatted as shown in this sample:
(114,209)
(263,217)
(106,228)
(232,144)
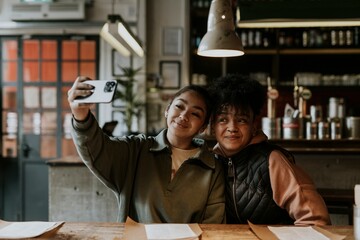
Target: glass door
(36,75)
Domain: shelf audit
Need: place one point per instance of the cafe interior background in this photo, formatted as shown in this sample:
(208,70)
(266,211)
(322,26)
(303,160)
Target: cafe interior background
(304,57)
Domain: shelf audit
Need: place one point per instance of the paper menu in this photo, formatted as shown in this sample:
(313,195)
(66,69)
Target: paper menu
(264,233)
(357,194)
(138,231)
(30,229)
(169,231)
(305,233)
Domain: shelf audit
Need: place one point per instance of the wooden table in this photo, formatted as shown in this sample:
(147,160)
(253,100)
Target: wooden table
(92,230)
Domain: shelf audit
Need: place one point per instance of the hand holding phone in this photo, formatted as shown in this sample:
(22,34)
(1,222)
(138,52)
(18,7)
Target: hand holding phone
(103,92)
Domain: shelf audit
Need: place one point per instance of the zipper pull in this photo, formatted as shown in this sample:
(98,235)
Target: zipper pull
(230,169)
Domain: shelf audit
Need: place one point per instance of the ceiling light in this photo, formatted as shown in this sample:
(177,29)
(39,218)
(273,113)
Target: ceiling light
(106,34)
(117,33)
(221,39)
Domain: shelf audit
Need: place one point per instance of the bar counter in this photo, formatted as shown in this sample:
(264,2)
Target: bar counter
(93,230)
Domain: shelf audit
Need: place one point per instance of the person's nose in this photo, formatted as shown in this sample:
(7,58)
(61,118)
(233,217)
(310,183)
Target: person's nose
(184,116)
(232,127)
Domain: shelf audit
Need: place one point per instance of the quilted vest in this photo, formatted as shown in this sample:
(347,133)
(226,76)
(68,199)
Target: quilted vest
(248,188)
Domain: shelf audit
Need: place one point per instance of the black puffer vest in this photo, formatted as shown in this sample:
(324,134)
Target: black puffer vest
(249,195)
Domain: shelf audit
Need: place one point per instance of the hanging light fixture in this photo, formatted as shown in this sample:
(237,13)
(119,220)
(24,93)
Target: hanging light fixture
(118,34)
(221,39)
(109,32)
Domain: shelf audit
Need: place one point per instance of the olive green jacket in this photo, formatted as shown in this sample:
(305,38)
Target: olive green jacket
(138,170)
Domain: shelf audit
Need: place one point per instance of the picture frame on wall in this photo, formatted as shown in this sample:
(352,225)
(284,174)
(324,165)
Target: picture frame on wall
(119,61)
(170,72)
(172,41)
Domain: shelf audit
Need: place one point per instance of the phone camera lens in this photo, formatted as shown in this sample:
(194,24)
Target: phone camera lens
(109,86)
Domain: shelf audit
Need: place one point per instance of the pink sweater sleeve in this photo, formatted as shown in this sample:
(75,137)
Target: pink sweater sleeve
(294,191)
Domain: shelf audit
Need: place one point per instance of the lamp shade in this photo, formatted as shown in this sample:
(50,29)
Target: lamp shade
(116,32)
(221,39)
(130,39)
(110,38)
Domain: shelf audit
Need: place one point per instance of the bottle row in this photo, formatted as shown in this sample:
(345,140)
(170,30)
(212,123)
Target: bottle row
(294,38)
(301,37)
(302,128)
(201,3)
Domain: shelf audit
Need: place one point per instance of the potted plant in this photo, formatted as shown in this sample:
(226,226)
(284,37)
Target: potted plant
(126,92)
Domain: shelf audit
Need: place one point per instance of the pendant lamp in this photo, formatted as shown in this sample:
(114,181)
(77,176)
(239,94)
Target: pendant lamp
(221,39)
(117,33)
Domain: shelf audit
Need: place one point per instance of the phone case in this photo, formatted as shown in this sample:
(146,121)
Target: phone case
(103,92)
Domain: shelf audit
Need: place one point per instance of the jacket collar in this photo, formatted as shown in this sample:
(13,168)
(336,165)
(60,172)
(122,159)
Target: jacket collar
(204,155)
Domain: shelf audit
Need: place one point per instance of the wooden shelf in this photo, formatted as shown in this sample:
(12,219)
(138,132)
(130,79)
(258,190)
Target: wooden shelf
(342,146)
(308,51)
(301,51)
(270,51)
(320,146)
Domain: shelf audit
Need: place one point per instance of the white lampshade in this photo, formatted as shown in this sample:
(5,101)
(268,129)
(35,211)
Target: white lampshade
(221,39)
(111,39)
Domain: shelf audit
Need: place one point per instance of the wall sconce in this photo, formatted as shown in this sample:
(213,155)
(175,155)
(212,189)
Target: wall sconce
(117,33)
(221,39)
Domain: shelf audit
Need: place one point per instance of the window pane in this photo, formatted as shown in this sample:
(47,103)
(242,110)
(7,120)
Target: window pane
(9,146)
(31,49)
(31,122)
(87,50)
(67,125)
(10,50)
(9,134)
(69,71)
(48,146)
(3,123)
(31,71)
(64,97)
(31,97)
(10,124)
(49,97)
(9,71)
(68,148)
(70,50)
(49,123)
(9,98)
(49,50)
(48,71)
(88,69)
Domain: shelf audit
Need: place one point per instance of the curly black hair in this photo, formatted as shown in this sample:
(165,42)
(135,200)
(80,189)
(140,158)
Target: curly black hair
(239,91)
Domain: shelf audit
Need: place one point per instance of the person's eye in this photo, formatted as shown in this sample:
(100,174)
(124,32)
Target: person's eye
(196,114)
(179,106)
(242,120)
(221,120)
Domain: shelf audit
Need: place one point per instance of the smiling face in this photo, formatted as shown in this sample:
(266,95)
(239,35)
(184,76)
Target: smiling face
(185,118)
(233,129)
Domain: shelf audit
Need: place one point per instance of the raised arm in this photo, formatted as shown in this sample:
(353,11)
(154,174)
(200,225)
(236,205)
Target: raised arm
(80,111)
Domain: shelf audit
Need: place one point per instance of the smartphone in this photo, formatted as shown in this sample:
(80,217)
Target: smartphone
(103,92)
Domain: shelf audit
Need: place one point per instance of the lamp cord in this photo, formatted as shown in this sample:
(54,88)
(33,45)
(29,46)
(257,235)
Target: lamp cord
(113,7)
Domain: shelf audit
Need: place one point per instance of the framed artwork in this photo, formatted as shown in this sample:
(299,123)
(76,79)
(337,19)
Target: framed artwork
(172,41)
(170,72)
(119,61)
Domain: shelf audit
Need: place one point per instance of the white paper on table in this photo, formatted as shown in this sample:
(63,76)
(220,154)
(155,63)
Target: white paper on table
(169,231)
(298,233)
(16,230)
(357,194)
